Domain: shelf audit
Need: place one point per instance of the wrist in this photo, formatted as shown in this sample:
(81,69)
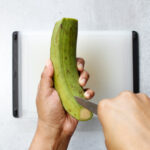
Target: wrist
(47,130)
(48,134)
(53,136)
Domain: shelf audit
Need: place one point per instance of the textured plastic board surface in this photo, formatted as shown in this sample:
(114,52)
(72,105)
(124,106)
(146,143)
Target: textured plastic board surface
(108,57)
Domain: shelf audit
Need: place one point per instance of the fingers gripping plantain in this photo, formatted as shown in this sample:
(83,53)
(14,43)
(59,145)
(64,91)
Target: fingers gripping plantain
(63,56)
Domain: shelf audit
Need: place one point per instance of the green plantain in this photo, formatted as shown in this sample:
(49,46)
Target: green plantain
(63,56)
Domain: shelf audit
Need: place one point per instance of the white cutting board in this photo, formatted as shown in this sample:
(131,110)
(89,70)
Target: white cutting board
(108,57)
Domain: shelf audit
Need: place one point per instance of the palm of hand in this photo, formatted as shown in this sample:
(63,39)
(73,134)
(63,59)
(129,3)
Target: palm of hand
(54,114)
(50,109)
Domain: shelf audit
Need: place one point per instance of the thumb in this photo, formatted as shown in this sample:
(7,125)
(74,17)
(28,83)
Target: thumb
(46,81)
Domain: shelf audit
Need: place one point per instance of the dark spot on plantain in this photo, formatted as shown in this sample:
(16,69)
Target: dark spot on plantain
(68,71)
(56,37)
(75,115)
(72,86)
(61,26)
(71,30)
(80,91)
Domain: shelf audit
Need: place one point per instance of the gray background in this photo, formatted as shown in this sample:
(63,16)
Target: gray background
(26,15)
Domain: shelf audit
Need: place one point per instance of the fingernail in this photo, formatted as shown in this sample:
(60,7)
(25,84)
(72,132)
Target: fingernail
(82,81)
(48,63)
(80,66)
(87,95)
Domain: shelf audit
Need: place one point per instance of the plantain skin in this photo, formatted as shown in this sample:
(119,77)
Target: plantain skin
(63,56)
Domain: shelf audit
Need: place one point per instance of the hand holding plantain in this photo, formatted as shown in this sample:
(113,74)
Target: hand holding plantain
(55,125)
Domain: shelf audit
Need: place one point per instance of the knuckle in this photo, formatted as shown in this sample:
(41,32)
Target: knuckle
(126,94)
(92,92)
(82,60)
(144,96)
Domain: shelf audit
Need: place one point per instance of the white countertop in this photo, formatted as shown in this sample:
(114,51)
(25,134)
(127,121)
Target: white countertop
(16,134)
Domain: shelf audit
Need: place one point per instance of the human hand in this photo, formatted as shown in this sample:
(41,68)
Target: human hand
(54,123)
(126,121)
